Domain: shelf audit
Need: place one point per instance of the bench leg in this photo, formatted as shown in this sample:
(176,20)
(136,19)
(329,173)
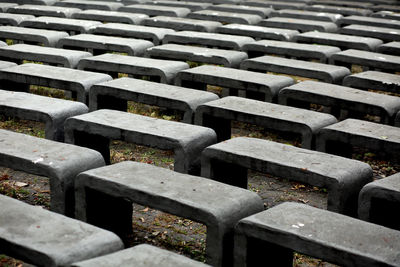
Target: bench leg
(194,85)
(96,142)
(224,172)
(111,102)
(219,250)
(222,127)
(14,86)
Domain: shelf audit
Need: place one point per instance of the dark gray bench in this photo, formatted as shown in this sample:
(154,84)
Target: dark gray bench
(115,94)
(225,17)
(310,15)
(362,20)
(182,24)
(258,32)
(76,81)
(218,206)
(301,25)
(229,161)
(44,238)
(315,232)
(379,200)
(345,11)
(323,72)
(236,82)
(394,8)
(193,6)
(110,16)
(218,115)
(156,10)
(260,11)
(31,36)
(83,4)
(392,48)
(13,19)
(386,14)
(58,161)
(357,103)
(41,10)
(163,71)
(96,128)
(385,34)
(374,80)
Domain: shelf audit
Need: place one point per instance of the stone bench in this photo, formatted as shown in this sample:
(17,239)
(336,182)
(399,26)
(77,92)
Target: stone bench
(357,103)
(155,10)
(374,80)
(31,36)
(6,64)
(83,4)
(301,25)
(41,10)
(218,115)
(97,44)
(163,71)
(339,138)
(290,49)
(310,15)
(394,8)
(225,17)
(44,238)
(72,26)
(385,34)
(227,58)
(345,11)
(58,161)
(339,40)
(110,16)
(263,12)
(258,32)
(218,206)
(249,84)
(192,6)
(77,81)
(315,232)
(343,178)
(13,19)
(342,3)
(386,15)
(323,72)
(296,5)
(379,200)
(368,21)
(5,6)
(95,129)
(392,48)
(133,31)
(55,56)
(182,24)
(206,39)
(366,59)
(51,111)
(115,94)
(141,255)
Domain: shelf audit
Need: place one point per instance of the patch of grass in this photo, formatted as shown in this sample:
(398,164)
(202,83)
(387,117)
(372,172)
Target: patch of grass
(49,92)
(22,126)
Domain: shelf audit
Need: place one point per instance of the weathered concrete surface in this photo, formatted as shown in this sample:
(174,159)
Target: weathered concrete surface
(6,64)
(345,11)
(155,10)
(217,205)
(225,17)
(386,15)
(110,16)
(260,11)
(41,10)
(302,14)
(192,5)
(58,161)
(301,25)
(83,4)
(374,80)
(377,22)
(45,37)
(258,32)
(392,48)
(182,24)
(4,7)
(385,34)
(321,234)
(13,19)
(394,8)
(44,238)
(277,4)
(342,177)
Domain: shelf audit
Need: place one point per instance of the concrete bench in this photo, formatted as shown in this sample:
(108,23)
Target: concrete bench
(339,40)
(353,4)
(386,15)
(277,4)
(207,39)
(97,44)
(249,84)
(41,10)
(77,81)
(310,15)
(110,16)
(133,31)
(115,94)
(218,206)
(44,238)
(392,48)
(58,161)
(358,103)
(382,7)
(301,25)
(36,2)
(141,255)
(258,32)
(290,49)
(56,56)
(83,4)
(191,5)
(182,24)
(377,22)
(163,71)
(342,136)
(72,26)
(218,115)
(13,19)
(5,6)
(263,12)
(366,59)
(225,17)
(315,232)
(379,200)
(323,72)
(155,10)
(374,80)
(31,36)
(345,11)
(343,178)
(96,128)
(6,64)
(51,111)
(385,34)
(227,58)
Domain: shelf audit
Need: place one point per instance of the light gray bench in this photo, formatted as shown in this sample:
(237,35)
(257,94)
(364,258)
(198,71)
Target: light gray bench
(41,10)
(385,34)
(44,238)
(374,80)
(277,4)
(13,19)
(310,15)
(392,48)
(58,161)
(76,81)
(156,10)
(214,204)
(83,4)
(345,11)
(260,11)
(258,32)
(218,115)
(343,178)
(182,24)
(315,232)
(225,17)
(386,14)
(96,128)
(301,25)
(192,5)
(110,16)
(5,6)
(31,36)
(377,22)
(234,82)
(163,71)
(115,94)
(6,64)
